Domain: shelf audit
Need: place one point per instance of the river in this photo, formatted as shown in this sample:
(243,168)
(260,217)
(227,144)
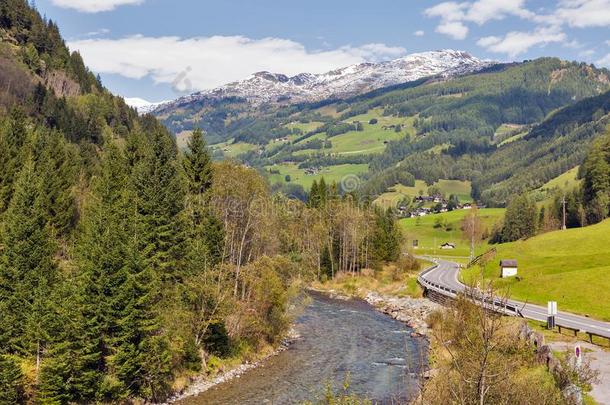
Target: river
(337,337)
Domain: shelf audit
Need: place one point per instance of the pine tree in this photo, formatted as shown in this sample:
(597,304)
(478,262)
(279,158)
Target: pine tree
(205,231)
(322,192)
(386,237)
(11,381)
(101,257)
(314,196)
(160,201)
(197,164)
(12,138)
(53,154)
(27,270)
(520,219)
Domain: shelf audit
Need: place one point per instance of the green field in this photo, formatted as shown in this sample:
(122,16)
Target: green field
(233,149)
(391,198)
(298,176)
(571,267)
(430,238)
(566,181)
(372,139)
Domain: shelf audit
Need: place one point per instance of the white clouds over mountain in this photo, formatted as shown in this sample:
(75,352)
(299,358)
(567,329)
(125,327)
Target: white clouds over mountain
(548,24)
(206,62)
(516,42)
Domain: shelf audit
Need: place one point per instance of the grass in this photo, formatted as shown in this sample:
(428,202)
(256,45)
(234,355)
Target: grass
(430,238)
(566,181)
(330,173)
(231,149)
(385,281)
(391,198)
(372,139)
(305,127)
(570,267)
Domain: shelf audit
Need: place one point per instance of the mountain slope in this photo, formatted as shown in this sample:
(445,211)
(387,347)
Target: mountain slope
(265,90)
(472,127)
(264,87)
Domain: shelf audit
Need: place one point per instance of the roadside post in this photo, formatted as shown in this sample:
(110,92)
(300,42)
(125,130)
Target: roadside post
(578,356)
(551,313)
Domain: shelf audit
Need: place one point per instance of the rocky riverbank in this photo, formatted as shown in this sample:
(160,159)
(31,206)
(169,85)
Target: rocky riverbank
(412,311)
(203,383)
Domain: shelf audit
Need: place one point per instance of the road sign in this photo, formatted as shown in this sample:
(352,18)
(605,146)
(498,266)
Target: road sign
(578,355)
(552,308)
(551,312)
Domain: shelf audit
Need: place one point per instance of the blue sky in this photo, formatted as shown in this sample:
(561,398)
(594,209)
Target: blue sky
(161,49)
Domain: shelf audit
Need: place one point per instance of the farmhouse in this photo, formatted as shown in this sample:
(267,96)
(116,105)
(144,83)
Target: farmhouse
(448,245)
(508,268)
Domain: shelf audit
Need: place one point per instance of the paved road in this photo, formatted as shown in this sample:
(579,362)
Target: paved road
(444,279)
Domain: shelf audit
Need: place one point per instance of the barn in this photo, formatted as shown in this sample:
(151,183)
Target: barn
(508,268)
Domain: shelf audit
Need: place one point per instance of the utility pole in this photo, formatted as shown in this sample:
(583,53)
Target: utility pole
(472,231)
(563,203)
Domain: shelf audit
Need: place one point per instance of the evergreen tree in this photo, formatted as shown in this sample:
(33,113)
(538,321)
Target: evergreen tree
(326,264)
(386,237)
(101,256)
(11,381)
(206,236)
(12,138)
(197,164)
(159,198)
(519,219)
(27,270)
(596,182)
(314,196)
(322,192)
(52,154)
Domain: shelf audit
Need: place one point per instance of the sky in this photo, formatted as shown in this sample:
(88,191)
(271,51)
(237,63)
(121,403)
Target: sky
(161,49)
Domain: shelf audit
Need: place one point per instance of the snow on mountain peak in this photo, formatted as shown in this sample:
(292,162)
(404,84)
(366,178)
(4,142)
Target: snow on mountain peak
(265,87)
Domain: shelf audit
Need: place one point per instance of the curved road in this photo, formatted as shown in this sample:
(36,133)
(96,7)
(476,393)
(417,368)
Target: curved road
(443,278)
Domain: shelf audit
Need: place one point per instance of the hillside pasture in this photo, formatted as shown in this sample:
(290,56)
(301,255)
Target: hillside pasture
(571,267)
(430,237)
(298,176)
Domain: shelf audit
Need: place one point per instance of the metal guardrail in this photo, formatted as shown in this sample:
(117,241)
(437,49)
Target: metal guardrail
(494,304)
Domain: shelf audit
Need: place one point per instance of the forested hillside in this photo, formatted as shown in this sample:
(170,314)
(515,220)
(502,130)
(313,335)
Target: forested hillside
(126,265)
(510,127)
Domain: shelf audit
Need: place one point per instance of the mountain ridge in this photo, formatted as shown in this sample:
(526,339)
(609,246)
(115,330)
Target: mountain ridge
(267,87)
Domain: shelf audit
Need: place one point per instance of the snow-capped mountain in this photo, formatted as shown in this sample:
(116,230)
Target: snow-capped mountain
(143,106)
(263,87)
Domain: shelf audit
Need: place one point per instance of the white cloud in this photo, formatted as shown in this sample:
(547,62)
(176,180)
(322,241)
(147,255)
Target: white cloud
(94,6)
(605,61)
(419,33)
(208,62)
(96,33)
(515,42)
(453,15)
(584,13)
(482,11)
(454,29)
(448,11)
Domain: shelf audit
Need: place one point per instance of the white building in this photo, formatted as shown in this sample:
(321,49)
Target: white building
(508,268)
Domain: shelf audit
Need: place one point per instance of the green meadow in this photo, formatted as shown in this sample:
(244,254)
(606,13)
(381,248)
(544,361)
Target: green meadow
(571,267)
(298,176)
(392,197)
(430,237)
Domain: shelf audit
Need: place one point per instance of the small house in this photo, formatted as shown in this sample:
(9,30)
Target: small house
(508,268)
(447,246)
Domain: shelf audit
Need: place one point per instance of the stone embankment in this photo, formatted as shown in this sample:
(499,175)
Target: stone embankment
(413,312)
